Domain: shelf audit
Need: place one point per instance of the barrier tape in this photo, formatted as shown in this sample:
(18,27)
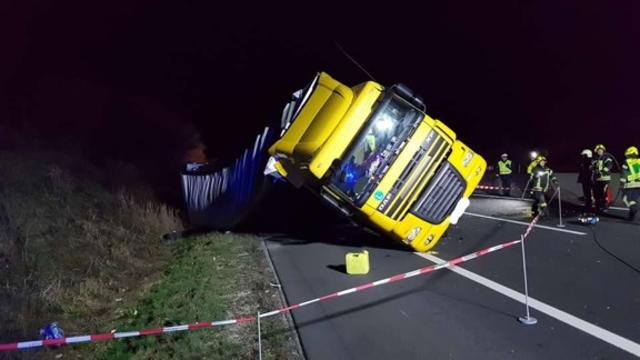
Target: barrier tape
(531,225)
(399,277)
(203,325)
(120,335)
(486,187)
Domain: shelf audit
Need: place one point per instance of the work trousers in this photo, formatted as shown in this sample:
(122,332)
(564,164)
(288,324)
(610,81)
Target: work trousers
(539,204)
(587,193)
(600,194)
(505,183)
(631,198)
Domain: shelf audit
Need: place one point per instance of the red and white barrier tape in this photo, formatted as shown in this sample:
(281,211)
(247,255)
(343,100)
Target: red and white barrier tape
(531,225)
(203,325)
(399,277)
(120,335)
(486,187)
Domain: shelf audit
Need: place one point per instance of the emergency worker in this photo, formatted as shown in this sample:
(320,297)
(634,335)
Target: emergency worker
(541,178)
(370,143)
(365,149)
(504,171)
(530,168)
(602,164)
(533,164)
(585,178)
(630,179)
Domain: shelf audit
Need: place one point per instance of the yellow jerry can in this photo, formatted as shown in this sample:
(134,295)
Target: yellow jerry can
(357,263)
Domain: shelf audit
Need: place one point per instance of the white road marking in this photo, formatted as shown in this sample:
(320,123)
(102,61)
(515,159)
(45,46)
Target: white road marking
(526,224)
(499,197)
(618,208)
(591,329)
(404,313)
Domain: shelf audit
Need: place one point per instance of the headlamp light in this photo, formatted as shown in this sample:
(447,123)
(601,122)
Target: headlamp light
(467,158)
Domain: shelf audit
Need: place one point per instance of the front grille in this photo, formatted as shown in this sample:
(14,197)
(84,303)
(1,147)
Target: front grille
(416,172)
(440,196)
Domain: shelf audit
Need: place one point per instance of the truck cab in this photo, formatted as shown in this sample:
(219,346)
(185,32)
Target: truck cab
(375,155)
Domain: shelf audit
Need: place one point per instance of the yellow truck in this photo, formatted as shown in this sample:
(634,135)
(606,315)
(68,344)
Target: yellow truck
(375,155)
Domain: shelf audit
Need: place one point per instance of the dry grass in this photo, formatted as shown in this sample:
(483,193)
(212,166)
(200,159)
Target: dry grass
(70,251)
(73,252)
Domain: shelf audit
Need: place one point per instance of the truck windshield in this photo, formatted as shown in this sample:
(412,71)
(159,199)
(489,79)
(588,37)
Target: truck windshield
(377,145)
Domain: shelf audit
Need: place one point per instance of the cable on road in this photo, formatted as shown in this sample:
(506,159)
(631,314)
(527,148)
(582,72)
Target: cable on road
(595,239)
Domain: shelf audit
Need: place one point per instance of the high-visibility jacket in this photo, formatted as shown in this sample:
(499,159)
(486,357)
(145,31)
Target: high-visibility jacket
(541,177)
(630,176)
(532,165)
(504,167)
(371,142)
(602,167)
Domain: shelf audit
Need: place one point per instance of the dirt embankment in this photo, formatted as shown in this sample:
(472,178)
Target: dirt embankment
(95,260)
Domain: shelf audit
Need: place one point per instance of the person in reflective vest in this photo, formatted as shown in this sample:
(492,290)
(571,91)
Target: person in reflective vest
(630,179)
(541,178)
(585,178)
(533,164)
(602,164)
(504,171)
(530,168)
(370,142)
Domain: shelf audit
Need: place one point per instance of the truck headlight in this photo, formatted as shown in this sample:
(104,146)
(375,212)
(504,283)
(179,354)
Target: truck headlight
(428,239)
(467,158)
(413,233)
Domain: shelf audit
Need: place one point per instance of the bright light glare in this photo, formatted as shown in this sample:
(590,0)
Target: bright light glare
(384,124)
(533,154)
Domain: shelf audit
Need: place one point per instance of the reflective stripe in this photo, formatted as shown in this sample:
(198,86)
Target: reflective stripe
(627,202)
(603,172)
(631,185)
(541,176)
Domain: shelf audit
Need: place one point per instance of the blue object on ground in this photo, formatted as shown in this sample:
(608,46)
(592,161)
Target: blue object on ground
(589,219)
(51,331)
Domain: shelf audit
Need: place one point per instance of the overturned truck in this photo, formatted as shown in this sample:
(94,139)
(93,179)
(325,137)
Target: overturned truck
(372,153)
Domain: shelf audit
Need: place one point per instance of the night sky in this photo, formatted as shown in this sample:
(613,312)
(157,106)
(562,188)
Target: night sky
(507,76)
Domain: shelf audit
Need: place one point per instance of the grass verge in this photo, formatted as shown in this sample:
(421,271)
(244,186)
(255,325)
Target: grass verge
(212,277)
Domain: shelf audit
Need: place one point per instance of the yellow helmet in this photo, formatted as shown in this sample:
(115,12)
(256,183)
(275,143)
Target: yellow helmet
(541,158)
(600,146)
(631,150)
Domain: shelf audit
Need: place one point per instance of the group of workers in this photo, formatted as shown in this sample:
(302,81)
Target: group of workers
(594,175)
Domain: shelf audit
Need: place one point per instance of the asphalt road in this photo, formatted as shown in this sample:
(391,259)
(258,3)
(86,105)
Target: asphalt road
(588,288)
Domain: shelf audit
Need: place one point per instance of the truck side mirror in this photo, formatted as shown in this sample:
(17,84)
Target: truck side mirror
(404,92)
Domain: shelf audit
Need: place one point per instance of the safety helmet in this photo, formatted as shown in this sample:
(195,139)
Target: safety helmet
(598,147)
(504,155)
(587,153)
(541,158)
(631,150)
